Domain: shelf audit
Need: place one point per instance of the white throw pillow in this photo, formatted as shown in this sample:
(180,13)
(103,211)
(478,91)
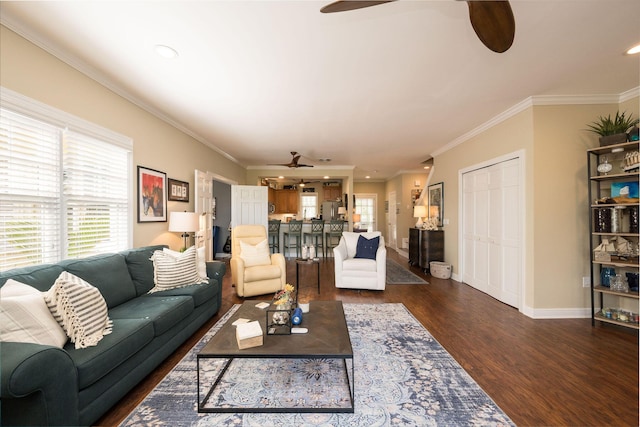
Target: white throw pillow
(171,271)
(25,317)
(253,255)
(80,309)
(201,264)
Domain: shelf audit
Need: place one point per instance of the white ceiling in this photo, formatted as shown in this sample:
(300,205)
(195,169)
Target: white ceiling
(379,88)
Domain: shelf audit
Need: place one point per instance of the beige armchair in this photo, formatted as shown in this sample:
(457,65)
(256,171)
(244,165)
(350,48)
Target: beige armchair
(254,270)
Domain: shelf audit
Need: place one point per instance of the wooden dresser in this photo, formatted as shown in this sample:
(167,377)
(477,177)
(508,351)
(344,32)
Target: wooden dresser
(425,246)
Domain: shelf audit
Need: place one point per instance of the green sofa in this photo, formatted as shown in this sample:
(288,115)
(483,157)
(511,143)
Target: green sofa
(43,385)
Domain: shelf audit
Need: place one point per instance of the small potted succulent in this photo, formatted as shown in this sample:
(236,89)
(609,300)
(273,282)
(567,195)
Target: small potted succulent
(613,130)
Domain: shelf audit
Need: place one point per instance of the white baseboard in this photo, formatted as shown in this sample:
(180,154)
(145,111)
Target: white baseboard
(557,313)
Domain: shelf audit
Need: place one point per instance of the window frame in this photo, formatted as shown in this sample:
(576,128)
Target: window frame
(67,124)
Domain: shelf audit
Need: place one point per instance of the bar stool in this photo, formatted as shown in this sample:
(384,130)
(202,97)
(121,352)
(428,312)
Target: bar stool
(332,237)
(295,231)
(317,230)
(274,235)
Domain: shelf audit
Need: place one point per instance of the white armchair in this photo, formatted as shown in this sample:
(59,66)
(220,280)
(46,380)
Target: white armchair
(254,270)
(360,273)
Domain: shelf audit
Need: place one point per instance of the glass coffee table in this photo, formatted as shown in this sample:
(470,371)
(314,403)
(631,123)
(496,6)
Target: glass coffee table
(327,341)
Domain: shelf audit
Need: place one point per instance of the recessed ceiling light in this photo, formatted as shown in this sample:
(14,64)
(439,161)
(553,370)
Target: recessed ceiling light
(367,177)
(325,177)
(634,50)
(426,167)
(166,51)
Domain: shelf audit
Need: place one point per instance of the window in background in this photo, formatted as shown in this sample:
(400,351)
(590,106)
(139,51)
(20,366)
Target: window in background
(309,203)
(64,185)
(366,206)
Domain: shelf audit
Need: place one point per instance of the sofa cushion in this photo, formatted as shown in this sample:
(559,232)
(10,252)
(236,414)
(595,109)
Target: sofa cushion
(201,294)
(79,308)
(359,264)
(173,272)
(141,267)
(164,311)
(25,317)
(108,273)
(261,272)
(367,248)
(40,277)
(128,337)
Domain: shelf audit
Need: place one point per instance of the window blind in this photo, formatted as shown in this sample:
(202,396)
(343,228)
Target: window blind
(64,186)
(29,191)
(95,190)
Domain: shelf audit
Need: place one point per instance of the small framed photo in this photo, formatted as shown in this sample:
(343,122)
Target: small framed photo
(178,191)
(152,195)
(436,202)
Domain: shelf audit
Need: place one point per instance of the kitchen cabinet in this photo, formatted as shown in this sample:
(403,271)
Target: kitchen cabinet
(286,201)
(332,192)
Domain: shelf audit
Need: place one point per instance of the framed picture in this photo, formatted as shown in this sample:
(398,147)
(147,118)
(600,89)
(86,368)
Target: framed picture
(436,202)
(178,190)
(152,195)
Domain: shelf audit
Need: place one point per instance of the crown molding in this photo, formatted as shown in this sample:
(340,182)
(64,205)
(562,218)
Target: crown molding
(540,100)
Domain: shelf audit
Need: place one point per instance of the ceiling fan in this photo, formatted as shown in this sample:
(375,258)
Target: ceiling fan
(294,162)
(492,20)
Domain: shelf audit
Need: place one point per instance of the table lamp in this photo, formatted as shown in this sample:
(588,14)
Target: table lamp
(185,223)
(356,220)
(419,212)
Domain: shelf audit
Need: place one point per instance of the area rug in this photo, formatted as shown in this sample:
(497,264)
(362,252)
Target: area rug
(403,377)
(398,275)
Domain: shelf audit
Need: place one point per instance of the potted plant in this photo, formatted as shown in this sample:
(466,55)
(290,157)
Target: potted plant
(613,130)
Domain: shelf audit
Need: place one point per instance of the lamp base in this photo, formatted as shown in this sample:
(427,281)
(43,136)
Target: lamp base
(419,223)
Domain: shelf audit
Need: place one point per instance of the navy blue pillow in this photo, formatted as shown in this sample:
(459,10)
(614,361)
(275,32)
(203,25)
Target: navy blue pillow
(367,248)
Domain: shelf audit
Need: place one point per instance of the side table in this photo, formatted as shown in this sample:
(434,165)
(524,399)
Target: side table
(310,261)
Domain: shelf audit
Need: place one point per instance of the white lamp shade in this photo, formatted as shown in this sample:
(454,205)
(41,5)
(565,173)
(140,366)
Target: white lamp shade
(181,222)
(342,210)
(419,211)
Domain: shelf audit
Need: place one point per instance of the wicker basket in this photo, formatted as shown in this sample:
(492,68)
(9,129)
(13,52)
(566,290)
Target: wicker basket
(441,270)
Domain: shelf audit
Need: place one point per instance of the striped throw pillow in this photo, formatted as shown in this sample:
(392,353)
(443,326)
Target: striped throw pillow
(171,271)
(80,309)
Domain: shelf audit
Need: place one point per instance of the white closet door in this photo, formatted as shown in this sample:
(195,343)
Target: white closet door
(491,230)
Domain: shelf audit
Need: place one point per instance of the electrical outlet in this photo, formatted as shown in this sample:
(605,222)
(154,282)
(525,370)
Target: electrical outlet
(586,282)
(445,221)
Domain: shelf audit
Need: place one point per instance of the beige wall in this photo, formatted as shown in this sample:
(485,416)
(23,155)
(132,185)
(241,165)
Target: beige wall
(30,71)
(556,245)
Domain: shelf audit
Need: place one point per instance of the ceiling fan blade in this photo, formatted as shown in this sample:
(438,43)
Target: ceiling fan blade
(493,22)
(345,5)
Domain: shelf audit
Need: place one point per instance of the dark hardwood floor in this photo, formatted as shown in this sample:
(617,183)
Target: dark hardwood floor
(540,372)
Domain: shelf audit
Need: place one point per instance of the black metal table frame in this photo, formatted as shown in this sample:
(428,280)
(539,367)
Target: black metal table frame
(300,261)
(202,403)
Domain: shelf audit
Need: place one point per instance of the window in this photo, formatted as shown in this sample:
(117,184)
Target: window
(309,203)
(64,185)
(366,207)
